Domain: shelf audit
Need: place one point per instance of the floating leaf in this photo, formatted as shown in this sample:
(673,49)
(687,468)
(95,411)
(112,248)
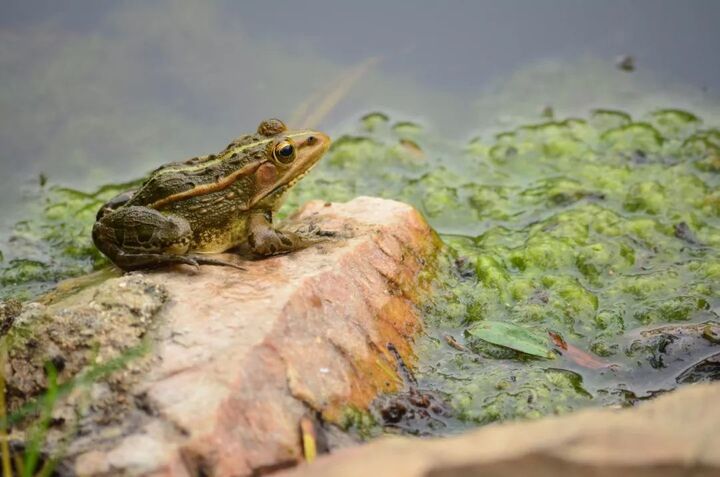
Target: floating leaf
(512,336)
(577,355)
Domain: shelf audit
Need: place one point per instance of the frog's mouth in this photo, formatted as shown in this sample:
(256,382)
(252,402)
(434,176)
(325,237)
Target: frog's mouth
(311,146)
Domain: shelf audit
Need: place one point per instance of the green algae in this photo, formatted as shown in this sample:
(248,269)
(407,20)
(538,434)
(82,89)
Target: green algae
(56,243)
(585,228)
(582,231)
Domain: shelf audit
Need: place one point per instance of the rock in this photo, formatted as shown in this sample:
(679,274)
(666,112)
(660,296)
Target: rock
(9,310)
(94,329)
(239,357)
(675,435)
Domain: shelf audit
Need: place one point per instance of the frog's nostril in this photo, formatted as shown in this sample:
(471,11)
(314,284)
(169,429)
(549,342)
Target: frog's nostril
(311,140)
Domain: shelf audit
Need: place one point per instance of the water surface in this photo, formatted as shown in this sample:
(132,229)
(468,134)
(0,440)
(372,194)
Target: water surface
(96,92)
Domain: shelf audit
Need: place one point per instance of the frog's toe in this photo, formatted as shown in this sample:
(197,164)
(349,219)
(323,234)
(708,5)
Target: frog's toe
(139,261)
(313,231)
(200,260)
(272,242)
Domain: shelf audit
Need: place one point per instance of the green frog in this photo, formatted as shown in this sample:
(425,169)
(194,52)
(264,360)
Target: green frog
(210,204)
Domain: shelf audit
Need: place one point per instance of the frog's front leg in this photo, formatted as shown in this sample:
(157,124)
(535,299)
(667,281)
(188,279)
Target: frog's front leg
(265,240)
(140,237)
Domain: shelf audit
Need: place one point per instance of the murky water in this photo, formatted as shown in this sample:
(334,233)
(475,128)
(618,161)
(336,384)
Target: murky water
(101,92)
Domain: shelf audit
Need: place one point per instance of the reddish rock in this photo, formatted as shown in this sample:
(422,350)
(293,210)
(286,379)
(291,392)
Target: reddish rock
(240,356)
(676,435)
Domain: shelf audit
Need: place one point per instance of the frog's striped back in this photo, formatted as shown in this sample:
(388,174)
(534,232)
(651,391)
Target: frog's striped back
(180,179)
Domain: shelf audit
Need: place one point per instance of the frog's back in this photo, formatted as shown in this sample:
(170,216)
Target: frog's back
(175,178)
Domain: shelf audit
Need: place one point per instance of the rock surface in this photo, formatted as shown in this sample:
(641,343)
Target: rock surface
(239,357)
(675,435)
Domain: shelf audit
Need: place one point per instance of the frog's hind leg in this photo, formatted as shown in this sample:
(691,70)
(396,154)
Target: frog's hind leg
(139,261)
(140,237)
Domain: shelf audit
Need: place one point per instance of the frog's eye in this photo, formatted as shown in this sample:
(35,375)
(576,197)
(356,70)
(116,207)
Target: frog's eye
(284,152)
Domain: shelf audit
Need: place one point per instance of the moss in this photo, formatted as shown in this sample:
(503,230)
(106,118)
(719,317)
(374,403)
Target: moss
(359,422)
(528,394)
(605,119)
(646,197)
(634,137)
(674,123)
(372,121)
(677,308)
(407,129)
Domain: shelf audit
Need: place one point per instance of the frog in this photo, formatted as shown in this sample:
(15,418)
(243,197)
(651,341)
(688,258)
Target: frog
(185,211)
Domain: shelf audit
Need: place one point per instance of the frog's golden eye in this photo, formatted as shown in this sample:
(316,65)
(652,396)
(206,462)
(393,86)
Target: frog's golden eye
(284,152)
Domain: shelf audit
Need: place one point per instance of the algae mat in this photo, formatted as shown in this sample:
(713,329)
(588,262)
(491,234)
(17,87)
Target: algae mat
(582,264)
(583,261)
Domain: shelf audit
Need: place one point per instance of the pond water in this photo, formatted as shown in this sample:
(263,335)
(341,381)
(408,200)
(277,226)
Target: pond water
(600,230)
(96,92)
(583,263)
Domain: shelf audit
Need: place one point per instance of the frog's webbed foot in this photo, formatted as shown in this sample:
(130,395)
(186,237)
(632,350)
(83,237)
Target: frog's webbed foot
(269,241)
(276,242)
(264,240)
(313,233)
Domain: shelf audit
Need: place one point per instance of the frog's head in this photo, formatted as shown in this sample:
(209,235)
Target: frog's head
(289,155)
